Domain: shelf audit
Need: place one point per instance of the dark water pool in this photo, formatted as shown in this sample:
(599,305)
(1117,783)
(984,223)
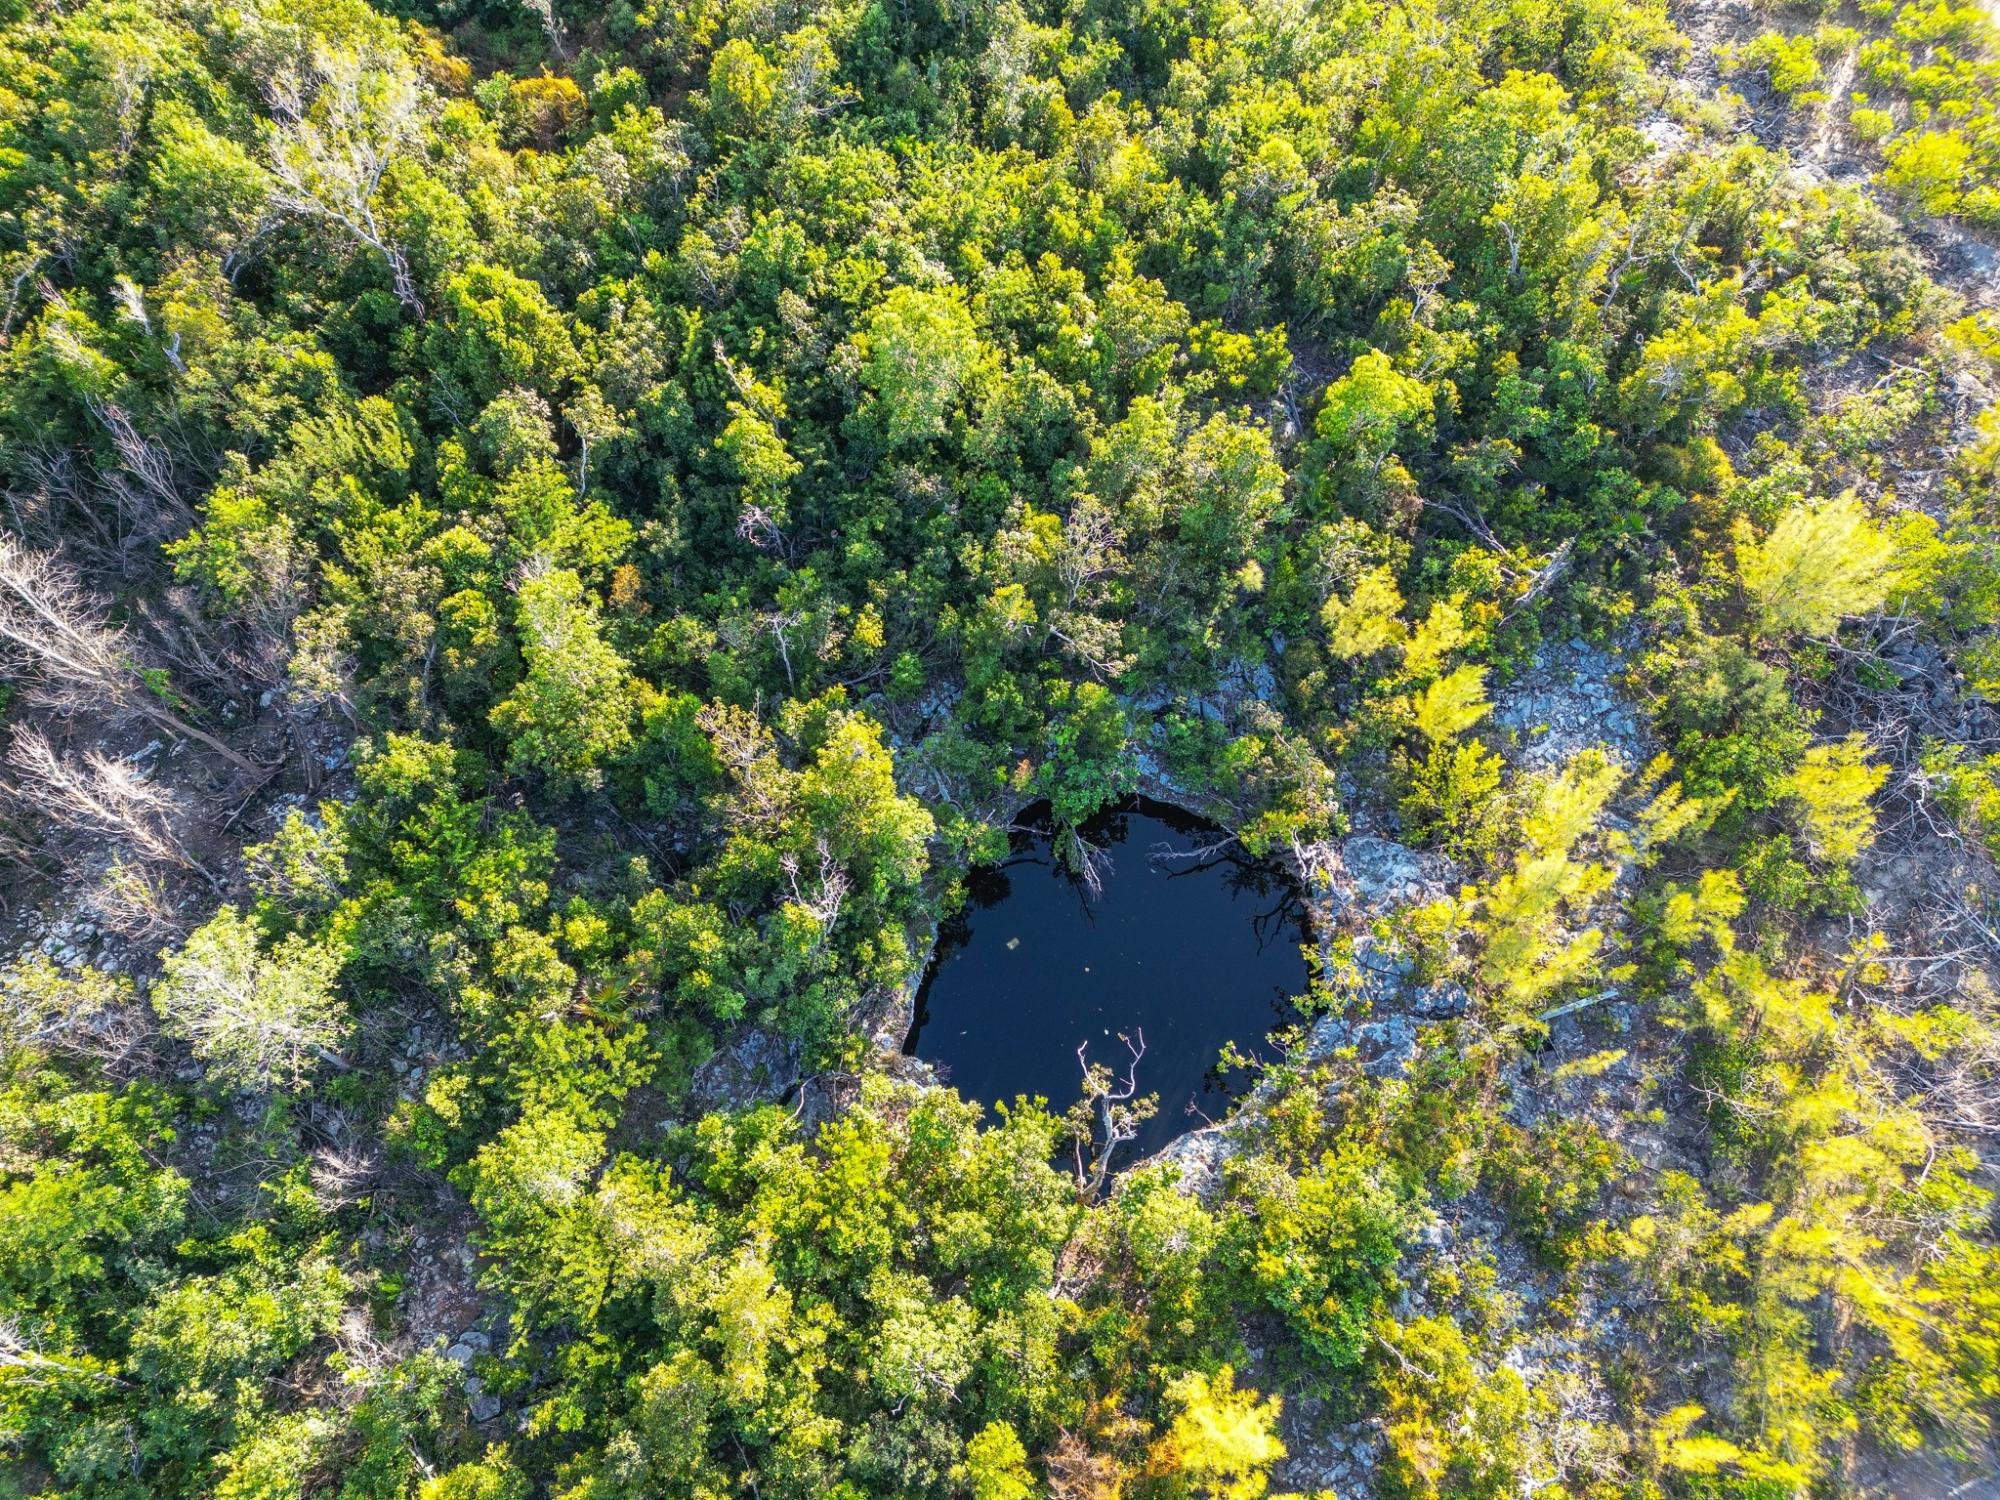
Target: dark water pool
(1195,950)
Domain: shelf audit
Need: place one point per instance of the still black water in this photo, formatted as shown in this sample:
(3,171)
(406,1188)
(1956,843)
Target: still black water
(1196,951)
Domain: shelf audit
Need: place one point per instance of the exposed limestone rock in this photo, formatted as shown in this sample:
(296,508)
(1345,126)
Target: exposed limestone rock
(1350,884)
(753,1067)
(1570,700)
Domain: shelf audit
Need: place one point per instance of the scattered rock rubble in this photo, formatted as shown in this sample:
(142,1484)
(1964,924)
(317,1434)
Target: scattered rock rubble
(1568,701)
(474,1342)
(753,1067)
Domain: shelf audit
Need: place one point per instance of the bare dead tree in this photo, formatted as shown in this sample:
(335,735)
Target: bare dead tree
(54,491)
(1470,520)
(342,1173)
(1076,1472)
(22,840)
(146,464)
(321,670)
(132,305)
(552,26)
(219,659)
(132,900)
(256,1019)
(746,746)
(145,504)
(88,1014)
(1110,1107)
(1090,557)
(1571,1440)
(1090,553)
(56,632)
(756,525)
(827,892)
(370,1361)
(339,126)
(781,623)
(1545,579)
(19,1355)
(96,794)
(1088,862)
(1505,224)
(23,266)
(1199,857)
(264,644)
(811,88)
(1318,862)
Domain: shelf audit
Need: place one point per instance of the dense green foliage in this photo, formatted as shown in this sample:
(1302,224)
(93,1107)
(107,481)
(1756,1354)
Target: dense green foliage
(716,463)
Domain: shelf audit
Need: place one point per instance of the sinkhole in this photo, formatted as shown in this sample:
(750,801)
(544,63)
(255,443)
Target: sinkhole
(1184,940)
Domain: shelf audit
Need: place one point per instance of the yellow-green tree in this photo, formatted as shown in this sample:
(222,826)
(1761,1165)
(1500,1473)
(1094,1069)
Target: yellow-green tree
(1833,788)
(1820,563)
(1222,1441)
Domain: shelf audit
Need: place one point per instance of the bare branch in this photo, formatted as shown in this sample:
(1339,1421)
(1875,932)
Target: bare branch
(98,795)
(52,629)
(86,1014)
(19,1355)
(339,127)
(1118,1112)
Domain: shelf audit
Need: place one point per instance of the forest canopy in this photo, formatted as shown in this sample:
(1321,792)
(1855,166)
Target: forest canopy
(543,540)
